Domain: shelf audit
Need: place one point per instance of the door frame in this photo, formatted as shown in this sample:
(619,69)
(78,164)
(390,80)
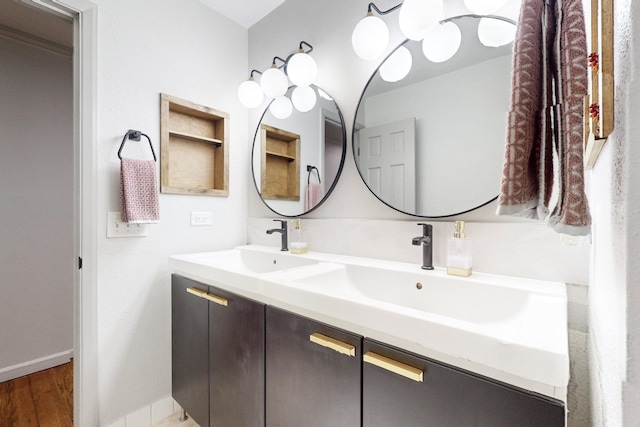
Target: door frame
(85,190)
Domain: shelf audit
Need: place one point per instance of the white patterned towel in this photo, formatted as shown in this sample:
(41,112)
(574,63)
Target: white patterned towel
(139,192)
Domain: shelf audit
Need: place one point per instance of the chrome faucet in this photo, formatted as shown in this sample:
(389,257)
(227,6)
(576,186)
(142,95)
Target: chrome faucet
(283,231)
(426,240)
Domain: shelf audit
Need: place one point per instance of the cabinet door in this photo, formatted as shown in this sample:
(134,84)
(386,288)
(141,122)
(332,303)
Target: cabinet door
(190,348)
(310,381)
(236,346)
(446,397)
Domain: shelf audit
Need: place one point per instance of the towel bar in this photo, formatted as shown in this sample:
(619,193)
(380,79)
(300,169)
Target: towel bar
(310,169)
(135,136)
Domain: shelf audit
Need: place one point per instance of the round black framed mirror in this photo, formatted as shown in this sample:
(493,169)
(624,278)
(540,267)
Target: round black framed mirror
(296,161)
(432,144)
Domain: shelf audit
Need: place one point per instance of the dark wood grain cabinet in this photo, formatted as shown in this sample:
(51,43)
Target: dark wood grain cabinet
(218,355)
(190,348)
(313,373)
(393,394)
(241,363)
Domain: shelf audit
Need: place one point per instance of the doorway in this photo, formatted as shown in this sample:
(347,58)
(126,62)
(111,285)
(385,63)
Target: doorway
(83,15)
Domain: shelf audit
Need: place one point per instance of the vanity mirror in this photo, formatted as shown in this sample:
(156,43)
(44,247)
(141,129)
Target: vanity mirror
(432,143)
(296,161)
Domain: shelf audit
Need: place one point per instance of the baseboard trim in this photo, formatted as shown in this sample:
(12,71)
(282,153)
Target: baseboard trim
(31,366)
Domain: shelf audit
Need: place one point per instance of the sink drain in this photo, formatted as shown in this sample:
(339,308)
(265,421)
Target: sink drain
(418,285)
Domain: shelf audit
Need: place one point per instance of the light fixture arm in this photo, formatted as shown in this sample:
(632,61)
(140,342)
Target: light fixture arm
(473,15)
(372,6)
(306,44)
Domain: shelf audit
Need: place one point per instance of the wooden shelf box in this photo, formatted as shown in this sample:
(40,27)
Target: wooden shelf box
(194,144)
(280,173)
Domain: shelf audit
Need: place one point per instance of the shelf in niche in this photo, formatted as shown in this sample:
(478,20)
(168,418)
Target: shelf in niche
(284,156)
(196,138)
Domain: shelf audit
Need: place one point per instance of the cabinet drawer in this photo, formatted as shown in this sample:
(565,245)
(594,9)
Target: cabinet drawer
(445,396)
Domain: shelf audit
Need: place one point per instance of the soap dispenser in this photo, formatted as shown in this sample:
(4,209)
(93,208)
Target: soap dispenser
(298,243)
(459,258)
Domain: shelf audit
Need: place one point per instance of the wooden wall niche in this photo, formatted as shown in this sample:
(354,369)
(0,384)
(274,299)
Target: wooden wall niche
(599,106)
(194,144)
(280,163)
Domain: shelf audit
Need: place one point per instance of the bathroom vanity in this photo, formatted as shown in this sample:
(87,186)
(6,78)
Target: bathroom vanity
(263,338)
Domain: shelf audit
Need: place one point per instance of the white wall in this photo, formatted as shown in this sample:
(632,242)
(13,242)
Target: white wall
(185,49)
(36,208)
(615,201)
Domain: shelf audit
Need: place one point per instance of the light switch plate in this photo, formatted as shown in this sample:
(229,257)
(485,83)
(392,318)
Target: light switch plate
(117,228)
(201,218)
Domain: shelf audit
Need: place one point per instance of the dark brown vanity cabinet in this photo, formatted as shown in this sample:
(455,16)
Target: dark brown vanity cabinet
(190,348)
(217,355)
(313,376)
(401,389)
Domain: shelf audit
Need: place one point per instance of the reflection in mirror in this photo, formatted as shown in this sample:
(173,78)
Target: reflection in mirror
(296,161)
(432,144)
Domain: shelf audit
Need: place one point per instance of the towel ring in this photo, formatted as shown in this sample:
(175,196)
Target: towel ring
(310,169)
(135,135)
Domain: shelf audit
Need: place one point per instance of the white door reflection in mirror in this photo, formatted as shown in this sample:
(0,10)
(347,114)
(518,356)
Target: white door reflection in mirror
(386,159)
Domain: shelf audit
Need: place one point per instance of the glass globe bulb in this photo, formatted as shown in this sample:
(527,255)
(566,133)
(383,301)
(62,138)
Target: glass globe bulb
(495,33)
(324,95)
(484,7)
(303,98)
(250,93)
(302,69)
(370,38)
(397,66)
(281,107)
(417,16)
(274,83)
(441,42)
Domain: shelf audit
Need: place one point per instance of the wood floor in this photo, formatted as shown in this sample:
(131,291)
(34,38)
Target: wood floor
(42,399)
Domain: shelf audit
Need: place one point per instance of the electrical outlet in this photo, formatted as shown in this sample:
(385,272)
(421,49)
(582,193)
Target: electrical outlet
(201,218)
(117,228)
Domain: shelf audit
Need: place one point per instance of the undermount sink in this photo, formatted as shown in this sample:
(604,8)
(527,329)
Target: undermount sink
(506,327)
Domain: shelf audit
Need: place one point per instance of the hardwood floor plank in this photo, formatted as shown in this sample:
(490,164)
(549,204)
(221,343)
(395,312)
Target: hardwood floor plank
(42,399)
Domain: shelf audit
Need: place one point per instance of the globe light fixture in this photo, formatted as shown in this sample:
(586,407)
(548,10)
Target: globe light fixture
(397,65)
(301,68)
(274,82)
(324,95)
(484,7)
(303,98)
(370,37)
(281,107)
(495,32)
(418,16)
(442,42)
(250,93)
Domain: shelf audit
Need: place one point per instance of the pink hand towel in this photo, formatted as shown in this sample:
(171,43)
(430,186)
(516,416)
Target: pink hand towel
(314,195)
(139,191)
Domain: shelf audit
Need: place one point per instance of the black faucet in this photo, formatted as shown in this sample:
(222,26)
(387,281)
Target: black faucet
(282,230)
(426,240)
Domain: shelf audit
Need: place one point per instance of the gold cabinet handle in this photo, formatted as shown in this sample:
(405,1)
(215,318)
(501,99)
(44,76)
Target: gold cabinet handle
(333,344)
(394,366)
(217,299)
(211,297)
(197,292)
